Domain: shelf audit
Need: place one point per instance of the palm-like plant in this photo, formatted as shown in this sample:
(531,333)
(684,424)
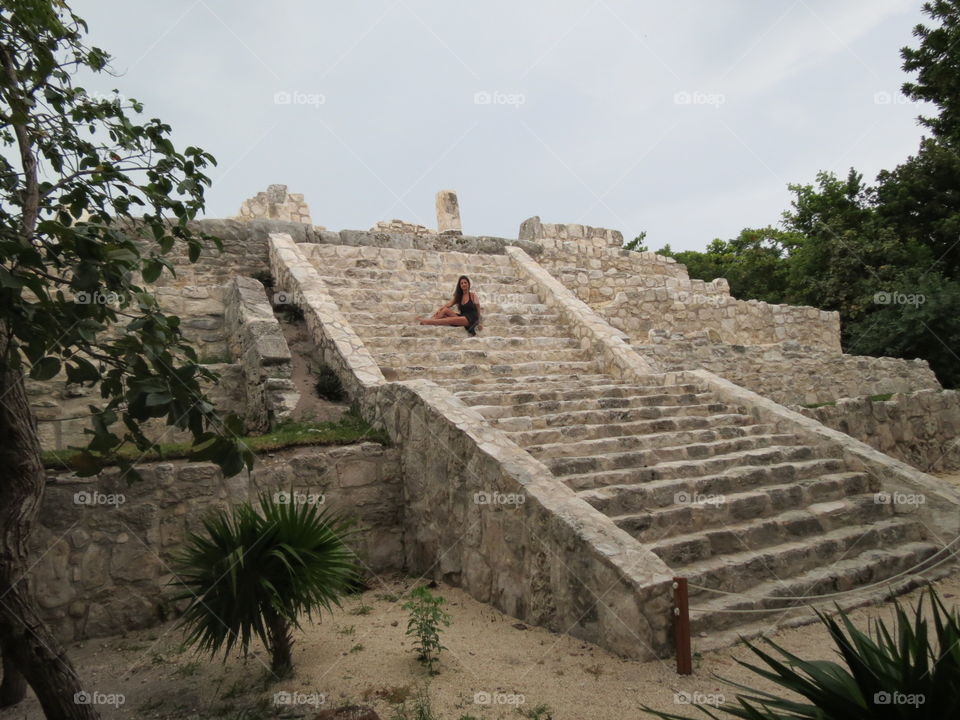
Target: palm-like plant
(253,573)
(903,674)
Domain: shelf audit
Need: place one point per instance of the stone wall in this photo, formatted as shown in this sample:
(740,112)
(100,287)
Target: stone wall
(553,235)
(921,428)
(276,204)
(256,340)
(102,566)
(789,372)
(400,227)
(642,292)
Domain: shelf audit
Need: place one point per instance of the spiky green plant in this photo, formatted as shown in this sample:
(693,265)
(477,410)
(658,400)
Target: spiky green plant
(253,572)
(901,674)
(426,617)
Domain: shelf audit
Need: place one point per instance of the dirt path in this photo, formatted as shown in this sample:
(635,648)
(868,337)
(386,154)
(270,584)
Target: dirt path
(493,668)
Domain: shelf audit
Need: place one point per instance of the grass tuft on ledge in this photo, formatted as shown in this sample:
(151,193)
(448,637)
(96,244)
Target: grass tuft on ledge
(350,429)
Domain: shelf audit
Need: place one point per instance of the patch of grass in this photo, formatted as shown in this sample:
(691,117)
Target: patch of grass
(882,397)
(361,610)
(538,712)
(387,597)
(328,385)
(419,708)
(395,695)
(347,631)
(357,648)
(351,428)
(814,406)
(595,670)
(187,669)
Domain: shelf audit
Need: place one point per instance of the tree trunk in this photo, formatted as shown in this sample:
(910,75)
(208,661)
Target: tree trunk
(25,640)
(281,645)
(14,686)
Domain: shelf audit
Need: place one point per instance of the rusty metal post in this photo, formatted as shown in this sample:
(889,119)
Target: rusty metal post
(681,626)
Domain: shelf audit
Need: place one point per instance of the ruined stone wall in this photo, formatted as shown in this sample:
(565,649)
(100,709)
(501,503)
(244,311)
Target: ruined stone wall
(400,227)
(276,204)
(103,550)
(640,292)
(789,372)
(921,428)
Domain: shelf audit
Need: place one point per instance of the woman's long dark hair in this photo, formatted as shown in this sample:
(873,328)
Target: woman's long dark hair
(458,293)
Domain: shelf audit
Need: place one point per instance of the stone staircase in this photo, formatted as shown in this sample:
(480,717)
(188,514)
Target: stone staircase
(753,516)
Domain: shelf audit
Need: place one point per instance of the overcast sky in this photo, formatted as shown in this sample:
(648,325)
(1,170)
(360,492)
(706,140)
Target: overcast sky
(684,119)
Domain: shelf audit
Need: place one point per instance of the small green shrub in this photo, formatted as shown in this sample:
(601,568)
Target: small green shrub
(328,385)
(419,708)
(426,618)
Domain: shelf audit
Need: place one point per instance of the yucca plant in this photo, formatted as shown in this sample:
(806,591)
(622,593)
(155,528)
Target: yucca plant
(253,572)
(906,673)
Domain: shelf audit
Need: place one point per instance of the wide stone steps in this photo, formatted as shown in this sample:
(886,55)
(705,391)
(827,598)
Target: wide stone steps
(609,415)
(766,514)
(801,547)
(556,407)
(484,372)
(427,298)
(496,328)
(398,283)
(895,567)
(663,455)
(452,341)
(470,354)
(458,385)
(627,443)
(814,476)
(495,322)
(442,278)
(535,395)
(692,469)
(573,433)
(416,308)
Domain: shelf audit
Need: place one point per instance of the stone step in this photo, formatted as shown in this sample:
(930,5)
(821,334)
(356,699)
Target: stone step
(641,427)
(426,297)
(627,443)
(444,278)
(609,415)
(449,341)
(380,329)
(470,354)
(556,407)
(397,258)
(794,554)
(820,473)
(536,395)
(484,372)
(645,458)
(495,322)
(422,285)
(698,527)
(693,469)
(416,308)
(459,385)
(868,577)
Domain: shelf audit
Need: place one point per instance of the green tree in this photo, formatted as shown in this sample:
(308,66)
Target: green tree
(637,244)
(73,169)
(937,64)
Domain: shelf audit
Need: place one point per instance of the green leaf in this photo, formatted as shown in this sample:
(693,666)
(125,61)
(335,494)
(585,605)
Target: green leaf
(46,368)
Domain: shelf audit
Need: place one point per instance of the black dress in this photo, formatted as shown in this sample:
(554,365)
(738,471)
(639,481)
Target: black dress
(468,310)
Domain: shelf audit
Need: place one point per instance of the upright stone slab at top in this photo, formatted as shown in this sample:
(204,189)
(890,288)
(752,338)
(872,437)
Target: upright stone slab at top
(448,213)
(276,204)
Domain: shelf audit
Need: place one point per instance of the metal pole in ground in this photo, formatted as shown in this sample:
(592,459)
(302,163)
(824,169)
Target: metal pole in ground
(681,626)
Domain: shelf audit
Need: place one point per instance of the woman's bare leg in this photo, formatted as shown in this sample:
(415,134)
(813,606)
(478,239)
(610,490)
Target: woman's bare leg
(443,313)
(457,320)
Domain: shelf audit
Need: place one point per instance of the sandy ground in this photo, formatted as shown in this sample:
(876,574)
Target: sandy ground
(493,667)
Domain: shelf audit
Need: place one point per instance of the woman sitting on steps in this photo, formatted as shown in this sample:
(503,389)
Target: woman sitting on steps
(469,316)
